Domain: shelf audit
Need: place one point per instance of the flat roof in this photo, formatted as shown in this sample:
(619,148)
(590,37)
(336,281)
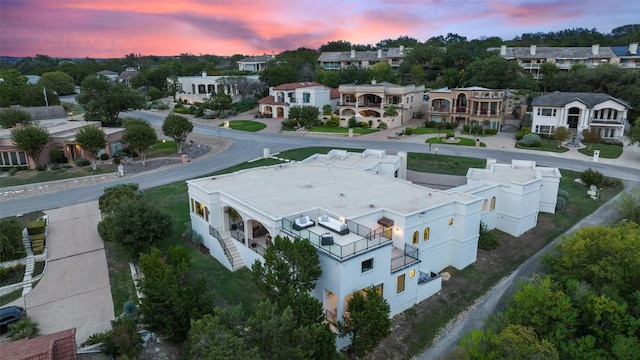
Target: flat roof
(362,161)
(504,174)
(292,188)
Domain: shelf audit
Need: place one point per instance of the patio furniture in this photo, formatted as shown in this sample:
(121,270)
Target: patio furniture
(326,239)
(302,222)
(334,225)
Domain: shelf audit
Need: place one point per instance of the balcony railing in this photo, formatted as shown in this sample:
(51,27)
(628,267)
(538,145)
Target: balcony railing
(607,121)
(369,240)
(427,277)
(410,256)
(332,318)
(461,109)
(216,234)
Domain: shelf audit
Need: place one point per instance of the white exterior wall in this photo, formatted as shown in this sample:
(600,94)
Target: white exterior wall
(517,207)
(549,189)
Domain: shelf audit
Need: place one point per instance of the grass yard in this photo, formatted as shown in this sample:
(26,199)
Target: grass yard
(461,141)
(548,145)
(607,151)
(246,125)
(341,130)
(442,164)
(162,148)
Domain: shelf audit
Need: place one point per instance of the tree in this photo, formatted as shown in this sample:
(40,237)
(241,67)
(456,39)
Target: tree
(382,71)
(515,342)
(291,268)
(634,134)
(10,117)
(112,196)
(277,73)
(178,128)
(11,87)
(590,136)
(629,205)
(31,139)
(220,103)
(137,224)
(306,115)
(173,294)
(104,100)
(11,246)
(561,134)
(34,95)
(548,70)
(92,139)
(367,321)
(139,136)
(58,82)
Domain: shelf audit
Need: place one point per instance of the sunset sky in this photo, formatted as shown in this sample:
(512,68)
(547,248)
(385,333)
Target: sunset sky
(114,28)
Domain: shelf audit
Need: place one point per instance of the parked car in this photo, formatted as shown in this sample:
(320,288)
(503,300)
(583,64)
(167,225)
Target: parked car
(9,315)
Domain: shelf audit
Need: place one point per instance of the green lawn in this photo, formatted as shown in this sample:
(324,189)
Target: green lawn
(462,141)
(548,145)
(246,125)
(425,130)
(162,148)
(607,151)
(341,130)
(442,164)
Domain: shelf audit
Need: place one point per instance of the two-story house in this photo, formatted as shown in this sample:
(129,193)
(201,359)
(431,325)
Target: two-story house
(282,97)
(370,227)
(471,105)
(193,89)
(255,63)
(336,60)
(378,103)
(580,111)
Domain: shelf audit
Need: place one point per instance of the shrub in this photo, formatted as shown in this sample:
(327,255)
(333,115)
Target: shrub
(466,128)
(82,162)
(13,171)
(382,126)
(592,177)
(288,124)
(104,156)
(522,132)
(36,227)
(449,135)
(430,124)
(23,329)
(561,203)
(563,194)
(41,168)
(352,122)
(491,131)
(530,140)
(408,130)
(487,240)
(450,126)
(333,121)
(245,104)
(11,246)
(154,93)
(56,156)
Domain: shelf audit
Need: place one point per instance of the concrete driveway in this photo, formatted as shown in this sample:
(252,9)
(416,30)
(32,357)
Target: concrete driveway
(74,290)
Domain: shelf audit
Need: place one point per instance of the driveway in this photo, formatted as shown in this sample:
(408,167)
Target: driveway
(74,290)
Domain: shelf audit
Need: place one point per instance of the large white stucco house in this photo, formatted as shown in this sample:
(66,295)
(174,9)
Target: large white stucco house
(282,97)
(580,111)
(193,89)
(369,225)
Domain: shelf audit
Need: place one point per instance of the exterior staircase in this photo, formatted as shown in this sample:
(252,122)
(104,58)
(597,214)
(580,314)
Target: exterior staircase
(232,253)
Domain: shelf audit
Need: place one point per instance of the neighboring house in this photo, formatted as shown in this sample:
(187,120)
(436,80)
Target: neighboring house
(255,63)
(369,226)
(62,132)
(373,102)
(128,74)
(580,111)
(282,97)
(530,58)
(111,75)
(336,60)
(33,79)
(472,105)
(56,346)
(194,89)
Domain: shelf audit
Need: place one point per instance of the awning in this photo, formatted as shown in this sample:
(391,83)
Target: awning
(385,222)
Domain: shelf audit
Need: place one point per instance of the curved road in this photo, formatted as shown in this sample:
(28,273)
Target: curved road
(247,146)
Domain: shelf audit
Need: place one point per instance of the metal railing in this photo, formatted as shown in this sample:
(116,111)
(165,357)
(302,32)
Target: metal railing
(331,317)
(369,240)
(425,278)
(410,256)
(216,234)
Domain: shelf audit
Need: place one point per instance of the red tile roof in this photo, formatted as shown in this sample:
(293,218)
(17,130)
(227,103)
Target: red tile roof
(296,85)
(56,346)
(270,100)
(334,94)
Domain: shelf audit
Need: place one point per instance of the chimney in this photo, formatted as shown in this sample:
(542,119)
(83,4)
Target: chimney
(379,53)
(401,49)
(273,54)
(633,48)
(373,81)
(353,53)
(204,74)
(532,50)
(503,50)
(594,49)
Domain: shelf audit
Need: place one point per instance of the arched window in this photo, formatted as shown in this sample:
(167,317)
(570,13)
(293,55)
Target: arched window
(485,203)
(425,235)
(416,236)
(493,203)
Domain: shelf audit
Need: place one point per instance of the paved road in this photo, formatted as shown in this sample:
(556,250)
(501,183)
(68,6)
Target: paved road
(247,146)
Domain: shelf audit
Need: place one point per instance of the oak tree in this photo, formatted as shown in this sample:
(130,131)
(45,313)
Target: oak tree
(178,128)
(92,139)
(32,139)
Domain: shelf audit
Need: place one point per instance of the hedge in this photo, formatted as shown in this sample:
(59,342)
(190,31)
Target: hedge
(35,227)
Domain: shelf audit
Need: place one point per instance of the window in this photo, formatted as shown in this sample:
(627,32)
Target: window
(493,203)
(13,158)
(485,204)
(546,112)
(115,146)
(412,273)
(450,221)
(367,265)
(425,234)
(400,284)
(306,97)
(200,209)
(416,236)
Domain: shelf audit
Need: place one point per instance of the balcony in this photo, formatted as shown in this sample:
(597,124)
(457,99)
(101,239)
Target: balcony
(359,239)
(611,122)
(427,277)
(401,259)
(440,109)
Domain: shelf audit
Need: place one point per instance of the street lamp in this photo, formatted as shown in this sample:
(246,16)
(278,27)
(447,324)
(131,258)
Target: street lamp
(436,154)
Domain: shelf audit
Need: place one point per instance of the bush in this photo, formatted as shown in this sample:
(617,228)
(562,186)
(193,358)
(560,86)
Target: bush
(333,121)
(104,157)
(11,246)
(82,162)
(430,124)
(491,131)
(449,135)
(288,124)
(245,104)
(36,227)
(13,171)
(487,240)
(466,128)
(41,168)
(352,122)
(561,203)
(530,140)
(592,177)
(382,126)
(522,132)
(154,93)
(408,130)
(23,329)
(56,156)
(563,194)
